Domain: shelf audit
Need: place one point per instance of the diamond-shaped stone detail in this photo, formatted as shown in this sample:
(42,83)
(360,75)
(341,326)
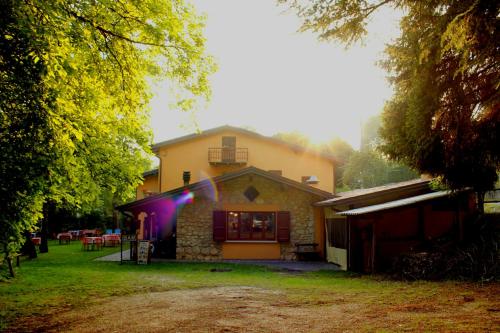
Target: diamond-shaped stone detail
(251,193)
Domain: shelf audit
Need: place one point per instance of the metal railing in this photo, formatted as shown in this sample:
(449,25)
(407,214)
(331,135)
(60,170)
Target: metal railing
(227,155)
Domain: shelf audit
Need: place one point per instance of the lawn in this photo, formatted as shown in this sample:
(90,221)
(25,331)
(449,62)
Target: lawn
(66,289)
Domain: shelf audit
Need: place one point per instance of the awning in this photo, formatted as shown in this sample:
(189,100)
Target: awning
(395,203)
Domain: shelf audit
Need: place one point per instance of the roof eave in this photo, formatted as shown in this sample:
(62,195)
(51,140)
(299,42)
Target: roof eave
(367,196)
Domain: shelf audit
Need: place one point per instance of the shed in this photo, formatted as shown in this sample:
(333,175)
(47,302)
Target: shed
(367,229)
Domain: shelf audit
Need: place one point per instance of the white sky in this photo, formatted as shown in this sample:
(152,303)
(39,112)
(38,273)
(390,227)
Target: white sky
(274,79)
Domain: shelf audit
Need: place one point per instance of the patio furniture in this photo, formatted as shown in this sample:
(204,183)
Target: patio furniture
(36,240)
(111,240)
(75,234)
(64,238)
(91,243)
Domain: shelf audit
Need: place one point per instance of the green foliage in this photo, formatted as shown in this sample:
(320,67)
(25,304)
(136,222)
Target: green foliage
(444,117)
(367,168)
(293,138)
(370,136)
(25,132)
(342,152)
(74,96)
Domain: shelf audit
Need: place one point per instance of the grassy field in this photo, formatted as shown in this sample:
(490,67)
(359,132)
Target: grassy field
(67,280)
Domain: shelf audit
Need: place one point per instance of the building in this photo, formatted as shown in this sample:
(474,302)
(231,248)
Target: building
(367,229)
(228,193)
(226,149)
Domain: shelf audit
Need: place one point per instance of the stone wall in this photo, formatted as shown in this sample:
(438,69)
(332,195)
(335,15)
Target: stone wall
(194,221)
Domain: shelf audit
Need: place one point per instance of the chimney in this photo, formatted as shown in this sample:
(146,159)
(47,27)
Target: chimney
(186,177)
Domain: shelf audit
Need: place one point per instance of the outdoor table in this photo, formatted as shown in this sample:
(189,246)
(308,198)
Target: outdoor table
(75,234)
(64,237)
(36,240)
(111,240)
(91,243)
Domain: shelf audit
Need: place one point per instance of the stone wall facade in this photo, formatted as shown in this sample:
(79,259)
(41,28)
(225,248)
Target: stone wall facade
(194,221)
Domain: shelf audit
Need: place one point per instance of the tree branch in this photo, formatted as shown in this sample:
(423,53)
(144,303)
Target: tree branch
(107,32)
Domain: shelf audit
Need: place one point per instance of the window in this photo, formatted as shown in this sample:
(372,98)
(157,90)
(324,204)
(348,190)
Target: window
(257,226)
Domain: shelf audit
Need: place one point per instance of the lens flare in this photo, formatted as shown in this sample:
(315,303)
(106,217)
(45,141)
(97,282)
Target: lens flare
(209,188)
(186,197)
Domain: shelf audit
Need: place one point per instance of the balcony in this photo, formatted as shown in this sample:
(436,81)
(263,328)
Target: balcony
(227,156)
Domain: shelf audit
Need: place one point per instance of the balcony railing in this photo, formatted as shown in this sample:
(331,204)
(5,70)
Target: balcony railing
(227,155)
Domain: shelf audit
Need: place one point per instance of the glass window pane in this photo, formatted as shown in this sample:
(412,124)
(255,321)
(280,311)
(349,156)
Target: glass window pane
(270,226)
(258,226)
(232,225)
(245,225)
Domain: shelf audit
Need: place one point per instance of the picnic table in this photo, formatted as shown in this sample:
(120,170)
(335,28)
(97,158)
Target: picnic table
(111,240)
(91,243)
(64,237)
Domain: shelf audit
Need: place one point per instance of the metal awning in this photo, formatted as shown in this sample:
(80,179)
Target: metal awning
(395,203)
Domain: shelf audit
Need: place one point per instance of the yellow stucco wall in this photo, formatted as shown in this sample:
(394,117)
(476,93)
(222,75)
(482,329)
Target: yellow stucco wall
(150,184)
(251,250)
(192,155)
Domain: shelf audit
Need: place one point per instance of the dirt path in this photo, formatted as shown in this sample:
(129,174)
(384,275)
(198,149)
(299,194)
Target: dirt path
(249,309)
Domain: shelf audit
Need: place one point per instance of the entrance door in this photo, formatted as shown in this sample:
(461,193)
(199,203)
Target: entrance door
(228,149)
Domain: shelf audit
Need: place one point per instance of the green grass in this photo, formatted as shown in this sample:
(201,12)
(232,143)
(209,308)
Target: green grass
(68,277)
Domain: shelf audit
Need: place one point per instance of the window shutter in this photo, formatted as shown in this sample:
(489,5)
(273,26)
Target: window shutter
(219,225)
(283,226)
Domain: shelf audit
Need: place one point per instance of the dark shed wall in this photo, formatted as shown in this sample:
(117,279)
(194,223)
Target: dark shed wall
(378,238)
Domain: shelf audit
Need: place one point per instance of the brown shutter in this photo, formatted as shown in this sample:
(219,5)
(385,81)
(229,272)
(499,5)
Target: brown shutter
(283,226)
(219,225)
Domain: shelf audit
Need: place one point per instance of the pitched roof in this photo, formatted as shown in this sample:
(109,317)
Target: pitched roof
(155,147)
(153,172)
(396,203)
(222,178)
(356,196)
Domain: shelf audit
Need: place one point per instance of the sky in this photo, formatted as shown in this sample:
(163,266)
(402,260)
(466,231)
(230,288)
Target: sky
(273,79)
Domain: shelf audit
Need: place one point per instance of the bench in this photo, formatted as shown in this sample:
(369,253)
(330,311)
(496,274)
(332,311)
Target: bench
(307,251)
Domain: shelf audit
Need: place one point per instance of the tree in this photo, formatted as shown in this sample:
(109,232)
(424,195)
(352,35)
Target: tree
(294,138)
(342,151)
(370,133)
(74,94)
(368,168)
(445,115)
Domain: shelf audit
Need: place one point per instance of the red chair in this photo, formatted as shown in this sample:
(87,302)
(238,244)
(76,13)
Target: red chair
(98,243)
(86,243)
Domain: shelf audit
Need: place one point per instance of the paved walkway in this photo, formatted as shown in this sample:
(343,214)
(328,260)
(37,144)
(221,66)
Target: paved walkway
(294,266)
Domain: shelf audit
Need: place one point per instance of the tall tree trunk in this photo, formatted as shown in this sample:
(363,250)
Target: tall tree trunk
(28,247)
(8,259)
(480,202)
